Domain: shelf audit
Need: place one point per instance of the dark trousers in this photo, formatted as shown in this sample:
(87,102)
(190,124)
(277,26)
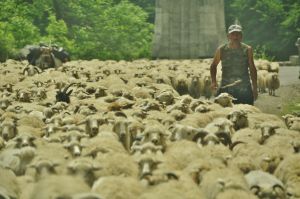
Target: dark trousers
(243,94)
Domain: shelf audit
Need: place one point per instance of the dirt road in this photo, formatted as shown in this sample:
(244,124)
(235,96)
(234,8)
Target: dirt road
(289,91)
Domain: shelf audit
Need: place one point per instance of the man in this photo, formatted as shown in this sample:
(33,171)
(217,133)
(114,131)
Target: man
(237,63)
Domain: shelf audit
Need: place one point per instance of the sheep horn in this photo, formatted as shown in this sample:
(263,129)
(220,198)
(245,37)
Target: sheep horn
(25,69)
(37,69)
(67,87)
(231,147)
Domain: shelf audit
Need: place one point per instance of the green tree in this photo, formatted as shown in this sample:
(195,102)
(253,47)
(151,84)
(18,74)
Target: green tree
(271,24)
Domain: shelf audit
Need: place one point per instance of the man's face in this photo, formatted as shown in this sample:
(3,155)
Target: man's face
(235,37)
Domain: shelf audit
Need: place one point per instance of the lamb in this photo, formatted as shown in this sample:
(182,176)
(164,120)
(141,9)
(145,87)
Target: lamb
(272,83)
(265,185)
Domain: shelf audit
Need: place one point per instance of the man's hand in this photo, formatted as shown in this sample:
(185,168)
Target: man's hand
(214,86)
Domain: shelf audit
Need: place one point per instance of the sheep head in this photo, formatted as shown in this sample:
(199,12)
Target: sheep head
(64,95)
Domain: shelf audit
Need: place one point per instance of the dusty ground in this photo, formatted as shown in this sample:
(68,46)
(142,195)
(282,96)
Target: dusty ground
(288,92)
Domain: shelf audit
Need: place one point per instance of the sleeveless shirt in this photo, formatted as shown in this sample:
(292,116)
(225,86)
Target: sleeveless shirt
(235,66)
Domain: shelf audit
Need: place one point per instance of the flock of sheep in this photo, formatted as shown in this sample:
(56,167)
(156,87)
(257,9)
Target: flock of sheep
(146,129)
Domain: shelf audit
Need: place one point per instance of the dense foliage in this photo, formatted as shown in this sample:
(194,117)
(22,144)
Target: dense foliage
(103,29)
(271,26)
(123,29)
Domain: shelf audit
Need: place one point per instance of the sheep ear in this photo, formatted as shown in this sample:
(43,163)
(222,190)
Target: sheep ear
(200,134)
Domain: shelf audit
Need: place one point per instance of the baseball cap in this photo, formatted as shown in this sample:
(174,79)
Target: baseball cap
(234,28)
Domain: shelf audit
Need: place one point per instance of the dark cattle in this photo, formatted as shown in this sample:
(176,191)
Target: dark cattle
(44,56)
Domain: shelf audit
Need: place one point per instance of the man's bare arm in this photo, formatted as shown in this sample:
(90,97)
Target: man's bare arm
(213,68)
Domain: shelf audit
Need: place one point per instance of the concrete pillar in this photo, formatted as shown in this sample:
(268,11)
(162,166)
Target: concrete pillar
(187,29)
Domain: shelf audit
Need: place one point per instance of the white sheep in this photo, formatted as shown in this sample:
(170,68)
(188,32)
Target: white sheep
(59,187)
(288,170)
(272,83)
(265,185)
(9,187)
(261,80)
(118,187)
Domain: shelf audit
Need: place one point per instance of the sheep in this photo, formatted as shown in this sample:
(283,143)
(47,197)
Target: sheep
(116,164)
(205,82)
(274,67)
(17,159)
(179,154)
(199,167)
(92,124)
(265,185)
(118,187)
(194,86)
(165,98)
(238,118)
(223,180)
(233,194)
(42,168)
(100,145)
(154,133)
(180,132)
(5,102)
(31,70)
(146,148)
(9,187)
(272,83)
(8,129)
(224,99)
(244,163)
(261,80)
(181,84)
(218,131)
(83,168)
(266,158)
(61,186)
(176,185)
(120,127)
(288,170)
